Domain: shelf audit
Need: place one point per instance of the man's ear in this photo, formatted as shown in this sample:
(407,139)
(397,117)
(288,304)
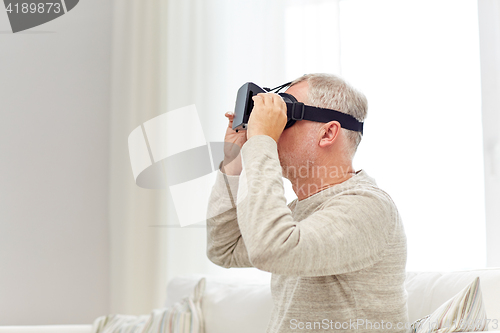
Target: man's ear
(329,133)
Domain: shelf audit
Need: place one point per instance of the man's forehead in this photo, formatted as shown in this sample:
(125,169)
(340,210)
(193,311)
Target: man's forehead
(299,91)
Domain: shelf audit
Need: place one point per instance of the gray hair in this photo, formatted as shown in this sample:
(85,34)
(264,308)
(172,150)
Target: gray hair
(332,92)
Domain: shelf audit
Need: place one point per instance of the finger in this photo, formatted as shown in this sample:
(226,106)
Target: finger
(268,98)
(279,102)
(258,99)
(262,98)
(230,120)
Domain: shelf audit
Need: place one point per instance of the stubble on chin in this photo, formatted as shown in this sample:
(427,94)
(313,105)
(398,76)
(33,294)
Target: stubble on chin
(302,155)
(296,164)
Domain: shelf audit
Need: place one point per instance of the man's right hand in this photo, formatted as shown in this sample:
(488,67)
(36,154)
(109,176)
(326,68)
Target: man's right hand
(233,142)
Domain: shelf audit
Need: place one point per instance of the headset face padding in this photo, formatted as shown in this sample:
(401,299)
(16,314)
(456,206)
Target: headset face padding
(288,99)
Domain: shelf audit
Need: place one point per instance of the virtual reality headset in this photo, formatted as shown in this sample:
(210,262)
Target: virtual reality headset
(295,110)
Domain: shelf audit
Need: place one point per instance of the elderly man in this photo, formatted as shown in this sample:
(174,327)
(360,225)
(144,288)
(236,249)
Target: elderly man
(337,253)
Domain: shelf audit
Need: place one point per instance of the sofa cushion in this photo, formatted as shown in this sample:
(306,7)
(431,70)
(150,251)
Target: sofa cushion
(185,316)
(463,313)
(428,290)
(228,302)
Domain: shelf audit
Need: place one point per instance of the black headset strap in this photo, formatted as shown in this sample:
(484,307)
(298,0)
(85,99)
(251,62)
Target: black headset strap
(278,88)
(299,111)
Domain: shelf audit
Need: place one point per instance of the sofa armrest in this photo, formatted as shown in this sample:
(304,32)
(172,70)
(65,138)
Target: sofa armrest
(47,329)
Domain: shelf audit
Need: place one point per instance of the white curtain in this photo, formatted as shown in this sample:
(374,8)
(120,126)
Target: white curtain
(138,251)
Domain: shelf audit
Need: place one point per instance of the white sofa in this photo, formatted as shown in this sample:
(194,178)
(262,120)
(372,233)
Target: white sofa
(243,305)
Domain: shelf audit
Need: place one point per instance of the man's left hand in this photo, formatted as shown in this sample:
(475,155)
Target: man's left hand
(268,116)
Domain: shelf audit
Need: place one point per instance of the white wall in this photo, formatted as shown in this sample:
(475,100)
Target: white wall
(54,133)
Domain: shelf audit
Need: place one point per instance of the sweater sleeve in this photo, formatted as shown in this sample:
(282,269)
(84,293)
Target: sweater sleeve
(349,232)
(225,246)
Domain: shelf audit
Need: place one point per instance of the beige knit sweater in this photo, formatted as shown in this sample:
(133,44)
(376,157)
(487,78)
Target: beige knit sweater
(337,258)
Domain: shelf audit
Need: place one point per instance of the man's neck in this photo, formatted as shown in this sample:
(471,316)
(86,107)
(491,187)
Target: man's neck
(319,178)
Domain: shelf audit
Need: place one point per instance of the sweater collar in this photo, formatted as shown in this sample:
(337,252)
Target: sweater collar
(316,199)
